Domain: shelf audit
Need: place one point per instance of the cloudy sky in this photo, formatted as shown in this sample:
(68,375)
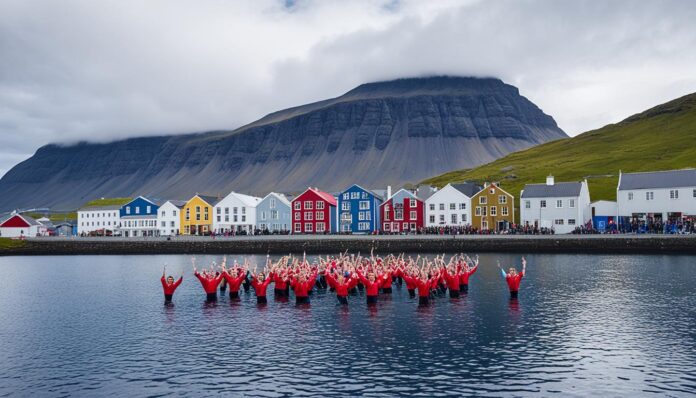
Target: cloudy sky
(103,70)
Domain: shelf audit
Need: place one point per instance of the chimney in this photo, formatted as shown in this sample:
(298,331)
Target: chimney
(549,180)
(388,191)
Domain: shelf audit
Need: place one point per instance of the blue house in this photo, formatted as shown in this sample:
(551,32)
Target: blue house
(358,210)
(139,218)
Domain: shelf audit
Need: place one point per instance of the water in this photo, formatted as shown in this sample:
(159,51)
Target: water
(584,325)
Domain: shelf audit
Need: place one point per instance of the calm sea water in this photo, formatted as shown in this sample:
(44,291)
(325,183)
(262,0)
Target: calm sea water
(584,325)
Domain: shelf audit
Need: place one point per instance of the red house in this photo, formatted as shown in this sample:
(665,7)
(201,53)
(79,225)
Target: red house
(402,212)
(19,225)
(313,212)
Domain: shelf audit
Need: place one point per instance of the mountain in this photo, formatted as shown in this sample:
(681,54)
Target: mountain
(376,134)
(661,138)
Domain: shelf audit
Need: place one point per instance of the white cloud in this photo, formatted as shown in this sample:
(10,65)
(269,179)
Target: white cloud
(75,70)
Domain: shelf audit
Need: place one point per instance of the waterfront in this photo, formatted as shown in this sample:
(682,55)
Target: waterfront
(584,325)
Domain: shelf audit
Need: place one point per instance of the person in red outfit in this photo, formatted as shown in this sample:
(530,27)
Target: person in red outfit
(234,277)
(210,280)
(372,284)
(513,278)
(465,273)
(260,284)
(301,284)
(169,286)
(425,284)
(341,285)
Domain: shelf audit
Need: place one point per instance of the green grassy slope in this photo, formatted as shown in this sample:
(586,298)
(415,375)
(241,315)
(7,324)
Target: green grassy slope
(108,202)
(661,138)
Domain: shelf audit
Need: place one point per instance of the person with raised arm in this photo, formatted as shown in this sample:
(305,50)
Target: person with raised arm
(342,283)
(451,275)
(169,286)
(513,278)
(425,283)
(465,272)
(234,277)
(371,283)
(260,284)
(209,280)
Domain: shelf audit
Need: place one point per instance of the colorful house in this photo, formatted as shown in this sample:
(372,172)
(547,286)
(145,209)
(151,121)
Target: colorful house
(494,209)
(197,215)
(18,225)
(139,218)
(169,217)
(236,213)
(273,214)
(358,210)
(402,212)
(314,212)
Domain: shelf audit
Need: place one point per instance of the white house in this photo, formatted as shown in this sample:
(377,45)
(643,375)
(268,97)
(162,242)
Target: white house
(169,217)
(18,225)
(273,213)
(236,212)
(98,219)
(562,206)
(450,206)
(657,196)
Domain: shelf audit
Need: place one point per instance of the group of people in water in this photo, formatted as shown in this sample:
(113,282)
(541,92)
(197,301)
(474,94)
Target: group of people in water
(345,275)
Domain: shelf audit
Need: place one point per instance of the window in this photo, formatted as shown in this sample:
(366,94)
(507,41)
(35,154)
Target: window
(127,209)
(263,215)
(243,218)
(432,206)
(174,213)
(188,214)
(571,203)
(308,227)
(432,219)
(412,215)
(442,206)
(235,218)
(527,204)
(630,196)
(218,210)
(558,221)
(345,206)
(320,215)
(462,206)
(453,206)
(219,218)
(694,193)
(483,200)
(172,224)
(494,211)
(649,195)
(163,213)
(442,218)
(387,226)
(559,204)
(137,210)
(234,210)
(272,203)
(149,209)
(502,199)
(571,221)
(504,210)
(320,205)
(674,194)
(463,217)
(484,225)
(364,205)
(361,216)
(206,213)
(297,215)
(454,218)
(298,227)
(478,211)
(274,214)
(411,203)
(355,195)
(484,211)
(491,190)
(309,216)
(398,213)
(363,226)
(243,210)
(298,205)
(321,227)
(542,204)
(308,205)
(346,196)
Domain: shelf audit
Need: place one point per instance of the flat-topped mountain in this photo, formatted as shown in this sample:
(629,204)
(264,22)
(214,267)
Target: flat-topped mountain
(376,134)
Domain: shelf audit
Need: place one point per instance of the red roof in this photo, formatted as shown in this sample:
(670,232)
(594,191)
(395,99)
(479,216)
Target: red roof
(15,221)
(327,197)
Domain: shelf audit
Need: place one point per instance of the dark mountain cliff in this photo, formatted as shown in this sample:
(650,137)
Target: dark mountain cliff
(376,134)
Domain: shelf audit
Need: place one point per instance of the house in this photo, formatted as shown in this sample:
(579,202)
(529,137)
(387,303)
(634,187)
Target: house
(197,215)
(657,196)
(451,205)
(235,213)
(169,217)
(98,220)
(402,212)
(494,209)
(139,218)
(358,210)
(18,225)
(562,206)
(603,215)
(273,214)
(313,212)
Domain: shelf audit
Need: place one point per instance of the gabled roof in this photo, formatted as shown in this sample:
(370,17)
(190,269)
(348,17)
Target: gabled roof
(658,179)
(376,192)
(400,194)
(324,195)
(247,200)
(557,190)
(28,220)
(211,200)
(469,189)
(154,202)
(485,187)
(279,196)
(177,203)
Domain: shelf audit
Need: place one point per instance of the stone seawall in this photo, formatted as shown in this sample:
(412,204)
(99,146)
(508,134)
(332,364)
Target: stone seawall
(625,244)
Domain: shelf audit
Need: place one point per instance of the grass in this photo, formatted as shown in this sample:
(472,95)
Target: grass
(661,138)
(108,202)
(7,243)
(55,217)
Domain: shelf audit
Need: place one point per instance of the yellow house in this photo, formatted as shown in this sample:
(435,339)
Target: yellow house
(197,215)
(494,209)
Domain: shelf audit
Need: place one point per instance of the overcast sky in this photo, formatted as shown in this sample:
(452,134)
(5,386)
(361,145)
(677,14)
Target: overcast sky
(103,70)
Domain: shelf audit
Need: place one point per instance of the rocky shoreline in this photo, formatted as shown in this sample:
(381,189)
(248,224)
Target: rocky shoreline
(580,244)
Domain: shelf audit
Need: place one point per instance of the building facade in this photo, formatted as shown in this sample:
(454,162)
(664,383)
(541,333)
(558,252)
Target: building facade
(273,214)
(19,225)
(562,206)
(139,218)
(197,215)
(235,213)
(169,217)
(313,212)
(604,215)
(450,206)
(660,196)
(402,212)
(494,208)
(358,210)
(98,220)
